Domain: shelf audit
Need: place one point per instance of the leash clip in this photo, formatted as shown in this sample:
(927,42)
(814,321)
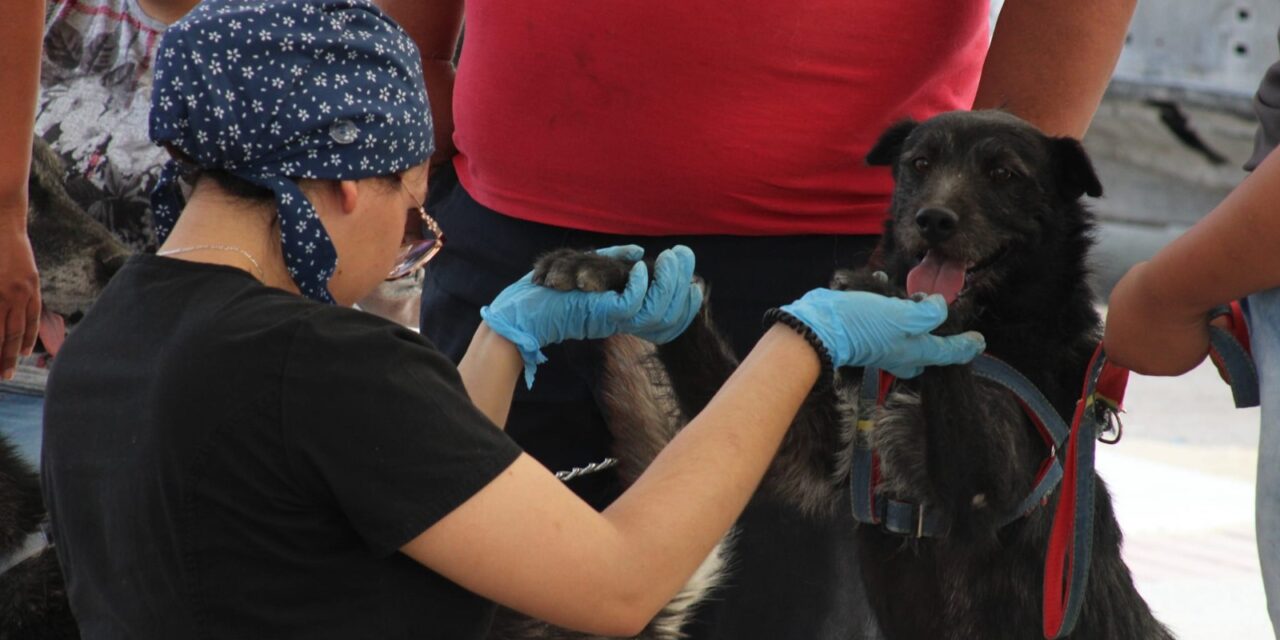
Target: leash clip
(1108,415)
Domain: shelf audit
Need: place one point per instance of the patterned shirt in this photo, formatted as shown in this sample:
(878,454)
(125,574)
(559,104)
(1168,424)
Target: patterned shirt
(95,94)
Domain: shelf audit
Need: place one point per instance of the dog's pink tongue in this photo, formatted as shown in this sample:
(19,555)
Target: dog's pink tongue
(937,275)
(53,331)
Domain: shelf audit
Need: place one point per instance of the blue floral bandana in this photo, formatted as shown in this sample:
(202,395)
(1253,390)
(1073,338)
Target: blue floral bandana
(275,90)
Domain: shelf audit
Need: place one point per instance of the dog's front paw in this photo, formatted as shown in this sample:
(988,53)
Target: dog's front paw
(570,269)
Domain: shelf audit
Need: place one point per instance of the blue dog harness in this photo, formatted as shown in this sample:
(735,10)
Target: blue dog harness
(1097,414)
(919,521)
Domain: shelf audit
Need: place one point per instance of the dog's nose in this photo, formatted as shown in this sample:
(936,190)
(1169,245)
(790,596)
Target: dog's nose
(936,224)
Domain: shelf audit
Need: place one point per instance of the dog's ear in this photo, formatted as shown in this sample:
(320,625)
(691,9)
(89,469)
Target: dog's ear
(886,150)
(1073,169)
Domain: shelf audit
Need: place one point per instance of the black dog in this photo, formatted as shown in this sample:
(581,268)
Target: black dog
(985,212)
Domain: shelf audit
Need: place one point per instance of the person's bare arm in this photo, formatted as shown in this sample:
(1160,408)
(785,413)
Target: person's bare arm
(434,25)
(527,542)
(1050,61)
(20,33)
(1156,321)
(489,371)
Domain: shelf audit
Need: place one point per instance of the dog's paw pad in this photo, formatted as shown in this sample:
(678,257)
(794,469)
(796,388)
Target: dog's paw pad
(570,270)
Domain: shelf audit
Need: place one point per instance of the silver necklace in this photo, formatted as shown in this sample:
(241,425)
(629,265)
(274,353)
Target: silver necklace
(217,247)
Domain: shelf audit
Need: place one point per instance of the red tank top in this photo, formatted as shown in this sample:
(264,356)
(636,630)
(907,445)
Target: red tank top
(668,117)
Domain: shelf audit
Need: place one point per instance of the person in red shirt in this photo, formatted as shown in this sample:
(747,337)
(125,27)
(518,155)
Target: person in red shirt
(739,130)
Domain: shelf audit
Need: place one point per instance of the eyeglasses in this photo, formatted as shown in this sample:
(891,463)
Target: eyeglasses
(415,253)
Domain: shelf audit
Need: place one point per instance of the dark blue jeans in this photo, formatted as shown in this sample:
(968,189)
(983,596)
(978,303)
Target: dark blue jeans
(793,577)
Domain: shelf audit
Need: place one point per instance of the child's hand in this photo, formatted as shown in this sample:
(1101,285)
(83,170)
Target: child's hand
(1150,335)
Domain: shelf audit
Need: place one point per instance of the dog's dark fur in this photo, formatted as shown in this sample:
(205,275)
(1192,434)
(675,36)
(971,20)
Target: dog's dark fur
(945,439)
(964,446)
(76,257)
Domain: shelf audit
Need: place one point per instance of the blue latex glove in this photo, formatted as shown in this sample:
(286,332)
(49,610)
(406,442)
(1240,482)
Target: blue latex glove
(532,316)
(672,301)
(862,329)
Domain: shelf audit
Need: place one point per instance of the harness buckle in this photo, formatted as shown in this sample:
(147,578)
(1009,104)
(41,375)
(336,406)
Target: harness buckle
(1112,427)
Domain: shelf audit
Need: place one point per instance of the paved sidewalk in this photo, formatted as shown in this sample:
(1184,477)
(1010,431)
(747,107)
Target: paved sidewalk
(1183,483)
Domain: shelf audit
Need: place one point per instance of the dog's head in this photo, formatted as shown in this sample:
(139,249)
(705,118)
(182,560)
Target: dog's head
(979,198)
(75,255)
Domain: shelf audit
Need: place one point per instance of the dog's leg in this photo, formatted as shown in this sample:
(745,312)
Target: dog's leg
(641,411)
(982,451)
(639,404)
(643,415)
(698,362)
(803,472)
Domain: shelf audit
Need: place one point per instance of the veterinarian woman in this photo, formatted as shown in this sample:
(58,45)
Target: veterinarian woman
(230,452)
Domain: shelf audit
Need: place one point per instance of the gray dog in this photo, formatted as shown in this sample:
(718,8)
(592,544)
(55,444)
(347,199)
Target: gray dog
(76,257)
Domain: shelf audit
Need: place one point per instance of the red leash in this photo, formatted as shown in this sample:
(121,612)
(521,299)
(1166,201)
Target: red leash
(1066,570)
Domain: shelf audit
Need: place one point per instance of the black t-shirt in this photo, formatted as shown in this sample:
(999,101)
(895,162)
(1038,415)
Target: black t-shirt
(226,460)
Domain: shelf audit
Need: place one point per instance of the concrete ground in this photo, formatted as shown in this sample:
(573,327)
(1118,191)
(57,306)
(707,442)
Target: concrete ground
(1183,482)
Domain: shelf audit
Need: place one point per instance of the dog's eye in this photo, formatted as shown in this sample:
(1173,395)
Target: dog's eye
(1000,174)
(920,164)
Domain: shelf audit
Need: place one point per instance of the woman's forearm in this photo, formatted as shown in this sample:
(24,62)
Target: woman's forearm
(703,479)
(530,544)
(489,371)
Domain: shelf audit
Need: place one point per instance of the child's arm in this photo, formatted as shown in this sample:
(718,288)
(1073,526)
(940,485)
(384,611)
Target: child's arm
(19,283)
(1157,322)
